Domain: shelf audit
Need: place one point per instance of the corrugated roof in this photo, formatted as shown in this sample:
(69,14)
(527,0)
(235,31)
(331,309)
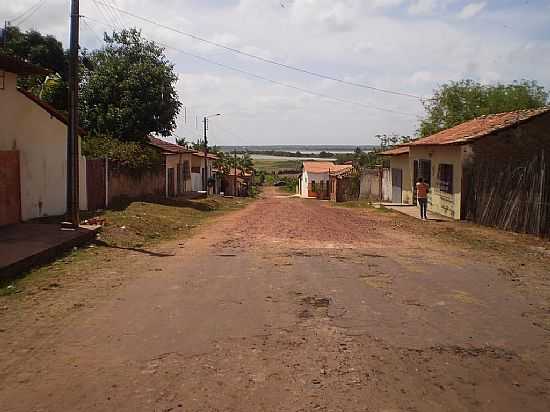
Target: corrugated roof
(395,151)
(16,65)
(62,117)
(480,127)
(167,146)
(324,167)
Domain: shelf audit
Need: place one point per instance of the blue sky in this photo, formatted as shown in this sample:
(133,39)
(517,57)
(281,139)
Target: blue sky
(406,45)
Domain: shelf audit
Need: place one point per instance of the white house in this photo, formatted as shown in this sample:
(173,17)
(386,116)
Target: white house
(197,170)
(315,177)
(33,151)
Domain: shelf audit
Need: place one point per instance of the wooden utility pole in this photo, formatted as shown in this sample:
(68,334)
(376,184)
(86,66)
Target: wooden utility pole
(205,177)
(235,174)
(73,199)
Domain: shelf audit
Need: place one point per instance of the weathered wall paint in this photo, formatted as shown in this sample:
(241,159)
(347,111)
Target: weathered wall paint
(42,143)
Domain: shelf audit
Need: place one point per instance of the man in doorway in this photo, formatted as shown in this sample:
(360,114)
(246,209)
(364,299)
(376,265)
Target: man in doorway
(422,190)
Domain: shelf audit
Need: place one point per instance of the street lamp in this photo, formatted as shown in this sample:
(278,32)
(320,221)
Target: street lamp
(205,176)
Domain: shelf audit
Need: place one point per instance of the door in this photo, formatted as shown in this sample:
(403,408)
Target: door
(171,191)
(10,188)
(422,169)
(95,183)
(397,185)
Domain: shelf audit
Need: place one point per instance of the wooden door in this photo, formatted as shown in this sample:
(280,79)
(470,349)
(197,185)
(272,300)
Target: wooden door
(10,188)
(171,191)
(95,183)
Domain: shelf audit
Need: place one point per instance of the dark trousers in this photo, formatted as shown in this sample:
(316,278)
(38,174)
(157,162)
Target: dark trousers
(423,203)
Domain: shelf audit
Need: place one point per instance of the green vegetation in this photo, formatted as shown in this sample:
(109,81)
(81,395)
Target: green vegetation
(456,102)
(132,155)
(44,51)
(278,166)
(128,90)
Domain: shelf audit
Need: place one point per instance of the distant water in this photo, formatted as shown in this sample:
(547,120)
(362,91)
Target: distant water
(306,149)
(299,159)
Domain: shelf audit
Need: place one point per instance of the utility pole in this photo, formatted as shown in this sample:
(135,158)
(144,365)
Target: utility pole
(205,176)
(235,174)
(73,204)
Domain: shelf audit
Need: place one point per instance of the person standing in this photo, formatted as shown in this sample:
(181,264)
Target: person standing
(422,190)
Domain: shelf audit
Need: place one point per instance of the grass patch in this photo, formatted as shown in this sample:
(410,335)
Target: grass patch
(129,226)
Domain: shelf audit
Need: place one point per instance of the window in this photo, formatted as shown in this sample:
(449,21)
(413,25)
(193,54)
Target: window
(313,186)
(445,177)
(195,169)
(185,170)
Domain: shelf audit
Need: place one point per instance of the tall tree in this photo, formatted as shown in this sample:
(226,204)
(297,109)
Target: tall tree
(456,102)
(45,51)
(129,89)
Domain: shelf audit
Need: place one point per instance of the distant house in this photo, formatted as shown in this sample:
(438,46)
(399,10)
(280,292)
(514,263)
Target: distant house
(236,183)
(315,177)
(177,162)
(33,150)
(494,170)
(198,171)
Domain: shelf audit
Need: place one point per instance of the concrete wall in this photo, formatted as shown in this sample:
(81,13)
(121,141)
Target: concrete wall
(446,204)
(402,162)
(42,143)
(370,185)
(196,178)
(386,185)
(135,184)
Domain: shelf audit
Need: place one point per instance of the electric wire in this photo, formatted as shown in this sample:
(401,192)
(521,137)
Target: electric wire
(28,14)
(266,79)
(263,59)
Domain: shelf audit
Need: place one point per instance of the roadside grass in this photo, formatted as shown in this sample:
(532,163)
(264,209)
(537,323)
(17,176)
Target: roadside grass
(129,226)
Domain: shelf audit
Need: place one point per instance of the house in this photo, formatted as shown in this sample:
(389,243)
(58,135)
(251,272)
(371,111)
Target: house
(344,185)
(397,183)
(197,172)
(492,170)
(33,150)
(177,165)
(315,177)
(236,183)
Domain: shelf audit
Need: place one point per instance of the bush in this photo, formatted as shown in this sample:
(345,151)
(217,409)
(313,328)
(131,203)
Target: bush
(133,155)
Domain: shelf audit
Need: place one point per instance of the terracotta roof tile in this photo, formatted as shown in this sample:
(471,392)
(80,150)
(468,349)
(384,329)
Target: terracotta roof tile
(400,150)
(201,154)
(480,127)
(167,146)
(324,167)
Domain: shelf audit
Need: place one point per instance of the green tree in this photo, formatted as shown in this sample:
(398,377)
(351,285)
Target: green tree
(245,163)
(44,51)
(457,102)
(129,90)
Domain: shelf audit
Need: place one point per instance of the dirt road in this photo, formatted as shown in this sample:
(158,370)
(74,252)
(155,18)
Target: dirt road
(291,305)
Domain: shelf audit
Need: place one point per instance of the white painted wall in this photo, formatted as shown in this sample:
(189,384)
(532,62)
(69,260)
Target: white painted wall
(42,144)
(308,177)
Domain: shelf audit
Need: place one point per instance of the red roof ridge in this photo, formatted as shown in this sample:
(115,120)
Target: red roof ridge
(167,146)
(480,127)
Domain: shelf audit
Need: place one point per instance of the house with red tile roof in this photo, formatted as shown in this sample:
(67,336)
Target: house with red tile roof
(481,169)
(33,150)
(315,177)
(177,164)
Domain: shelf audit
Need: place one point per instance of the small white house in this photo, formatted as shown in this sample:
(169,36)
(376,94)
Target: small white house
(315,178)
(33,151)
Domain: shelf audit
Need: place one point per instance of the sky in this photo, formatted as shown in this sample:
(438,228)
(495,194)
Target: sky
(408,46)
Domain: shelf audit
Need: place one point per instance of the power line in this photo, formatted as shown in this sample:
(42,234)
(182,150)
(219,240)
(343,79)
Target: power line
(38,3)
(266,79)
(264,59)
(28,13)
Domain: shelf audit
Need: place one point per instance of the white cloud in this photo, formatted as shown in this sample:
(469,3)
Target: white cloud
(371,42)
(472,10)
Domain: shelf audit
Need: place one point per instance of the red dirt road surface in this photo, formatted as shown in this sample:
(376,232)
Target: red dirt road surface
(292,305)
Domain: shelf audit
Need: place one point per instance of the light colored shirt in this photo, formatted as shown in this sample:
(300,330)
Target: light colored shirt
(422,190)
